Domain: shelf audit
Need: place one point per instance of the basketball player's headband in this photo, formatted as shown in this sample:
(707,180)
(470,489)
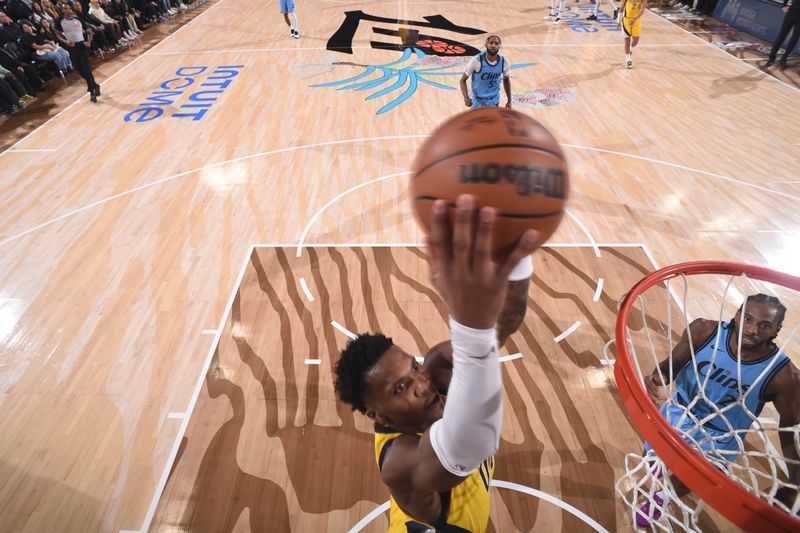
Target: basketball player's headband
(494,37)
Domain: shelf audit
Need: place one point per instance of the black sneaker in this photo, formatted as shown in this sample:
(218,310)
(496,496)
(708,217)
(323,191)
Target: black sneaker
(592,17)
(782,64)
(616,14)
(97,90)
(770,62)
(93,97)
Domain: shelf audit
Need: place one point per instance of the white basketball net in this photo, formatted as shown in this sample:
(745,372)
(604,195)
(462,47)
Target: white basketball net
(759,465)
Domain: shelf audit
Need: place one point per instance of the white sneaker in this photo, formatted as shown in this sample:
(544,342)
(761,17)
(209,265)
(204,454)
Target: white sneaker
(172,11)
(629,64)
(182,6)
(549,16)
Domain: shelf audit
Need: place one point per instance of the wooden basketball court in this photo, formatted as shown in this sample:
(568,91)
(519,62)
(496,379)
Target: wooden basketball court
(175,287)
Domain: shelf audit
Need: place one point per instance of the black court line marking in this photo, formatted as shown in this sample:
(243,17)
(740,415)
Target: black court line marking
(502,215)
(526,146)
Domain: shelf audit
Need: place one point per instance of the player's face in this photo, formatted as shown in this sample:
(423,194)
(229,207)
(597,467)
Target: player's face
(759,325)
(401,394)
(493,46)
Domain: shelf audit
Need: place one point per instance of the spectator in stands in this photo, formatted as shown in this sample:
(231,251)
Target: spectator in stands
(38,44)
(24,72)
(39,14)
(120,16)
(99,13)
(52,10)
(104,37)
(12,93)
(18,10)
(10,31)
(150,10)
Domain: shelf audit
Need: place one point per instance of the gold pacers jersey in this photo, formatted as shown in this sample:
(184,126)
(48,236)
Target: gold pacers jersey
(632,8)
(465,507)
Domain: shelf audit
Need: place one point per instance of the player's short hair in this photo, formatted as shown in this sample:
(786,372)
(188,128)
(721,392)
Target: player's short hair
(359,357)
(771,300)
(496,37)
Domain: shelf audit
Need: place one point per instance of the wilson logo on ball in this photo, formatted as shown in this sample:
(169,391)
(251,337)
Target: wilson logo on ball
(529,180)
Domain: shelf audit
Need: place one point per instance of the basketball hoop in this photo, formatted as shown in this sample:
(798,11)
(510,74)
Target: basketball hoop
(743,490)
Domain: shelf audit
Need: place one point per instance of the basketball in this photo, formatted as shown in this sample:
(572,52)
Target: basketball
(507,160)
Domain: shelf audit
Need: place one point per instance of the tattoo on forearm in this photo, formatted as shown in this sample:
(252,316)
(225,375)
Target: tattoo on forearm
(515,306)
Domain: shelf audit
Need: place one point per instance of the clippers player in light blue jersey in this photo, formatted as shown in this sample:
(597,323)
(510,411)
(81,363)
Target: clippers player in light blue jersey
(767,375)
(287,10)
(486,70)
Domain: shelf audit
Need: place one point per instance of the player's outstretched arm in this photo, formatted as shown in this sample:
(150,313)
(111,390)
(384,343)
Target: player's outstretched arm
(473,287)
(697,332)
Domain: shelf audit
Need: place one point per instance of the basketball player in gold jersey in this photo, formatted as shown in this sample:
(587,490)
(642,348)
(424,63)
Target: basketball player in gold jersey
(436,458)
(631,23)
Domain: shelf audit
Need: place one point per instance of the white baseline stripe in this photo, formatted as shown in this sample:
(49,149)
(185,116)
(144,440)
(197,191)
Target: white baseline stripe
(598,290)
(379,510)
(32,150)
(343,329)
(336,199)
(500,484)
(195,394)
(346,141)
(574,511)
(586,231)
(194,171)
(677,300)
(303,285)
(567,332)
(683,167)
(319,48)
(511,357)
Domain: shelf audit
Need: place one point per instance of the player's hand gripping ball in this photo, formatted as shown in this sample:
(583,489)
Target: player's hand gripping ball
(507,160)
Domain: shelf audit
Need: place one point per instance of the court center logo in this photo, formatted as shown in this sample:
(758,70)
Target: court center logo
(426,60)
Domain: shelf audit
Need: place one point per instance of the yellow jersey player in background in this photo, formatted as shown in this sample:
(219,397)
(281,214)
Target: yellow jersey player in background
(436,456)
(631,22)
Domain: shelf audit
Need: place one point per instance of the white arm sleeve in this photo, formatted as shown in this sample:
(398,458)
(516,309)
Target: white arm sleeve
(523,270)
(469,430)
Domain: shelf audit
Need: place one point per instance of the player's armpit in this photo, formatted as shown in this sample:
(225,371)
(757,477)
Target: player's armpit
(412,470)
